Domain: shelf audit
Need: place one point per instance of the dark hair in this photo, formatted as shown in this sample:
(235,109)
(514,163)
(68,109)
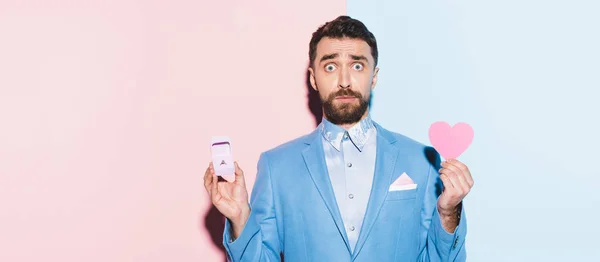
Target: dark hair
(342,26)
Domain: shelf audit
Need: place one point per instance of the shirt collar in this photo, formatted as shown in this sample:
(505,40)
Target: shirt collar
(358,133)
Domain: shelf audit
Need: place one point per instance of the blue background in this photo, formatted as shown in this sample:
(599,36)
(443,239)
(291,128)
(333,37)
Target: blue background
(525,75)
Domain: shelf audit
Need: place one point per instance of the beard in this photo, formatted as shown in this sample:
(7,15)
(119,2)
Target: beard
(345,113)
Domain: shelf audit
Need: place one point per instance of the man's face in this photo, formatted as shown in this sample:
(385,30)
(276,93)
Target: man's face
(343,73)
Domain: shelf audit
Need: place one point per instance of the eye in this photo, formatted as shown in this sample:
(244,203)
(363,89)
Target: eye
(330,67)
(357,67)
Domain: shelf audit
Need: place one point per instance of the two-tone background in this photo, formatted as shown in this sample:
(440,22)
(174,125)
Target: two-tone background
(107,109)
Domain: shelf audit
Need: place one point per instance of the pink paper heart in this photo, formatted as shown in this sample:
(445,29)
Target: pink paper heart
(449,141)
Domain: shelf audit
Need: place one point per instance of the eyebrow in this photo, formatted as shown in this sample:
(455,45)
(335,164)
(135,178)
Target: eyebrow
(328,57)
(359,57)
(334,55)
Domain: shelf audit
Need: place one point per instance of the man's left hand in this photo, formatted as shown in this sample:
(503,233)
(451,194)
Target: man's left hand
(457,182)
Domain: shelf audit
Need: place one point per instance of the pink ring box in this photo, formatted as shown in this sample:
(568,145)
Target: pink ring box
(222,156)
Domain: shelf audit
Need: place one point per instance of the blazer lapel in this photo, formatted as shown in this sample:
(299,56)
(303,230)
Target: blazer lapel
(387,154)
(317,167)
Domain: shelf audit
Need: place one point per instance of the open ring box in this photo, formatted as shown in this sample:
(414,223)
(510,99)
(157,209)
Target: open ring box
(222,157)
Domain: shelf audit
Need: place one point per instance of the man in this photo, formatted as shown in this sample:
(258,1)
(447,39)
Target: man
(350,190)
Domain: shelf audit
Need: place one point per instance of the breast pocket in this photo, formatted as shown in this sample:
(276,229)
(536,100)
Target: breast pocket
(401,195)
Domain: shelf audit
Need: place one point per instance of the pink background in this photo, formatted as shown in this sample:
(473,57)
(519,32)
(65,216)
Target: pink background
(107,110)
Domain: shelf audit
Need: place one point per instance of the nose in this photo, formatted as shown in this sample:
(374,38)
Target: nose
(344,79)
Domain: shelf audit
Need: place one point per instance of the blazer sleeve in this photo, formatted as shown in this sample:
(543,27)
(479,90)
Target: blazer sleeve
(259,240)
(436,243)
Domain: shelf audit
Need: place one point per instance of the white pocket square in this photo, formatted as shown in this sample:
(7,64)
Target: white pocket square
(404,182)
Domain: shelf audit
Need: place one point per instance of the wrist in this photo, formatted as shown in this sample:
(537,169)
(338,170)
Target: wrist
(449,212)
(239,222)
(450,218)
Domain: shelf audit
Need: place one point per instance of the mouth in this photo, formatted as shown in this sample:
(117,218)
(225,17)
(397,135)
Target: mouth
(345,98)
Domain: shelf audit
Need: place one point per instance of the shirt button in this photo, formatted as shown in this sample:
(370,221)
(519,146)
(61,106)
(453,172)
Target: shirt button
(351,196)
(352,228)
(349,164)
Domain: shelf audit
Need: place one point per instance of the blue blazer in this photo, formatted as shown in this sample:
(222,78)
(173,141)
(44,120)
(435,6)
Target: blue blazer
(294,210)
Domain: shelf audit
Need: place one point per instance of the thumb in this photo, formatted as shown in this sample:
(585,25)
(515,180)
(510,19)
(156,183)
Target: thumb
(239,175)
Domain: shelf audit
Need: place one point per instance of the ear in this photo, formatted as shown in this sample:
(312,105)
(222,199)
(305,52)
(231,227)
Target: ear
(374,82)
(312,79)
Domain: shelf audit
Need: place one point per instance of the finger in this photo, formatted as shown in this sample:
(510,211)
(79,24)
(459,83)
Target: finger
(214,189)
(449,165)
(465,171)
(207,179)
(459,175)
(223,192)
(447,183)
(460,186)
(457,188)
(239,175)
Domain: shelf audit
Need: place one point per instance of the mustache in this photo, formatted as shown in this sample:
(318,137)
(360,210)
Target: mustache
(345,92)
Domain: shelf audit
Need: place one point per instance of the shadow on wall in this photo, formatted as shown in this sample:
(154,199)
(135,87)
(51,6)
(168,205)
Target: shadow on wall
(214,222)
(433,157)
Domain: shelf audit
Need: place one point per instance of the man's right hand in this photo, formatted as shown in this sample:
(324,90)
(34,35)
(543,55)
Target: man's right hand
(230,198)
